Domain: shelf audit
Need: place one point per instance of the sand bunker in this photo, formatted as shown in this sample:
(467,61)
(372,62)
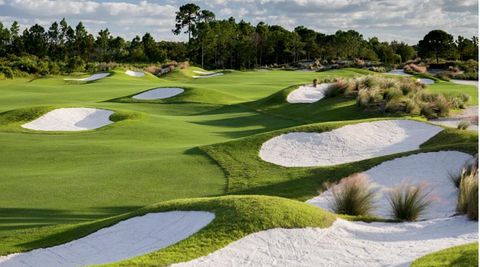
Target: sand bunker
(465,82)
(203,72)
(93,77)
(134,73)
(308,94)
(206,74)
(344,244)
(133,237)
(159,93)
(470,115)
(71,119)
(347,144)
(399,72)
(432,168)
(425,81)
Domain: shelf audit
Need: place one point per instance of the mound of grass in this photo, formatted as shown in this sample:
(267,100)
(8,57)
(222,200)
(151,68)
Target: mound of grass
(235,217)
(353,196)
(459,256)
(409,202)
(247,173)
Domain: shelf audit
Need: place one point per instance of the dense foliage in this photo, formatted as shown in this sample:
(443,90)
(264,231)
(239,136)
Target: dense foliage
(213,43)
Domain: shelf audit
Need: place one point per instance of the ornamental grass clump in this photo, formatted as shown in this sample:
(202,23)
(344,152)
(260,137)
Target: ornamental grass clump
(468,169)
(468,196)
(463,125)
(353,196)
(409,202)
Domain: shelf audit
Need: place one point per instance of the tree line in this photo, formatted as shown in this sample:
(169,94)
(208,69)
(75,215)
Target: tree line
(225,43)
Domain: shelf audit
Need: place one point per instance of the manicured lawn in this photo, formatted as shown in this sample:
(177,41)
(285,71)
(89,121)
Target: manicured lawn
(461,256)
(202,143)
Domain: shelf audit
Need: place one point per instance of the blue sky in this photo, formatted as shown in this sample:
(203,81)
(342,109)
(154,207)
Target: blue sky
(403,20)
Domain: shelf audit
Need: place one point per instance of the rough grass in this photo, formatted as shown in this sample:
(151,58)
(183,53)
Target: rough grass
(235,217)
(409,202)
(459,256)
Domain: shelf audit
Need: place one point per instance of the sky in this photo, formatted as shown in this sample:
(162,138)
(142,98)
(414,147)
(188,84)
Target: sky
(402,20)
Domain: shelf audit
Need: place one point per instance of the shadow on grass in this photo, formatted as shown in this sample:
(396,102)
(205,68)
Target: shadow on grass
(23,218)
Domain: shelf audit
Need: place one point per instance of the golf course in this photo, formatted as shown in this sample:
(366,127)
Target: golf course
(195,151)
(239,133)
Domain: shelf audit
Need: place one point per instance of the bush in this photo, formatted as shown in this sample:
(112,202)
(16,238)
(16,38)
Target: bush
(353,196)
(7,72)
(469,168)
(408,202)
(75,64)
(463,125)
(468,196)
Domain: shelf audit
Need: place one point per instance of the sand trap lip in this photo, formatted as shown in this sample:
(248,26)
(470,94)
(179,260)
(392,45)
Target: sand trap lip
(344,244)
(159,93)
(71,119)
(399,72)
(93,77)
(134,73)
(308,94)
(124,240)
(213,74)
(425,81)
(433,168)
(347,144)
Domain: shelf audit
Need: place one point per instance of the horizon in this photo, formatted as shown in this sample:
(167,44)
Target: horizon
(457,18)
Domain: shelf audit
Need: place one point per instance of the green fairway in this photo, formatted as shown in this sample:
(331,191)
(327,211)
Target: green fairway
(201,143)
(459,256)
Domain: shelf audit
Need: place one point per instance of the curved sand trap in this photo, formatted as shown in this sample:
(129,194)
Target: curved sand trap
(399,72)
(159,93)
(203,72)
(425,81)
(308,94)
(93,77)
(431,168)
(344,244)
(126,239)
(465,82)
(347,144)
(211,74)
(71,119)
(134,73)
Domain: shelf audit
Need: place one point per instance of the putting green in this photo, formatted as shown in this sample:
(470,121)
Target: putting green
(151,154)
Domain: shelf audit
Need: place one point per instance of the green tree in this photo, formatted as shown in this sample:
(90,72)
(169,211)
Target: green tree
(187,16)
(436,43)
(467,49)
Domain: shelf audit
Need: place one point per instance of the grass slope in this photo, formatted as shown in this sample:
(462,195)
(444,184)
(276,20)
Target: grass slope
(235,217)
(248,174)
(459,256)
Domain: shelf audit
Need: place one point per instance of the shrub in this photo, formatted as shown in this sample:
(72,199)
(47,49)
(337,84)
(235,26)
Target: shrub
(7,71)
(463,125)
(409,202)
(353,196)
(468,196)
(76,63)
(469,168)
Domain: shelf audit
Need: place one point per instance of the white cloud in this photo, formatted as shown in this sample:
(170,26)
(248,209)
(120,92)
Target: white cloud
(406,20)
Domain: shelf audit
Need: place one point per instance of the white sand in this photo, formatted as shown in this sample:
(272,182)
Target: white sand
(465,82)
(203,72)
(308,94)
(399,72)
(208,75)
(134,73)
(124,240)
(93,77)
(344,244)
(432,168)
(159,93)
(71,119)
(347,144)
(425,81)
(469,114)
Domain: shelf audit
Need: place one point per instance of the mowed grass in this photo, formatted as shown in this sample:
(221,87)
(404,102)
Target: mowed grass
(153,154)
(51,178)
(459,256)
(235,217)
